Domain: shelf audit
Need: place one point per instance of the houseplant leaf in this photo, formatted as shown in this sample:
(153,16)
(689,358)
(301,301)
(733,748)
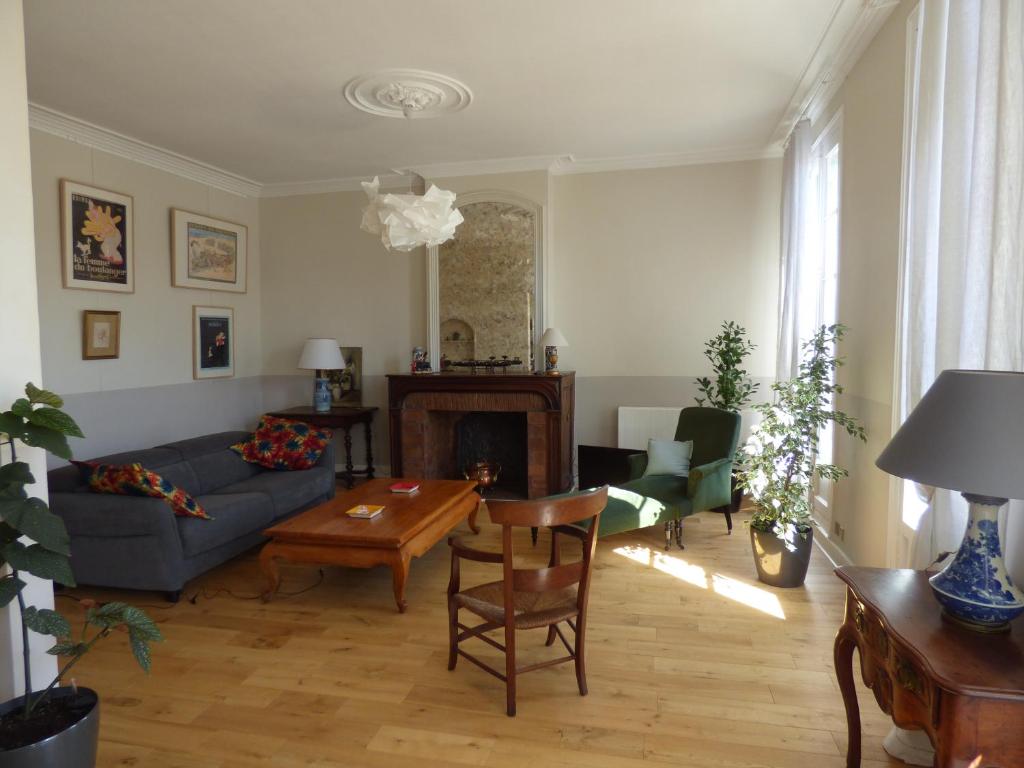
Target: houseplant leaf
(43,396)
(46,438)
(10,586)
(51,418)
(46,622)
(38,561)
(17,472)
(32,518)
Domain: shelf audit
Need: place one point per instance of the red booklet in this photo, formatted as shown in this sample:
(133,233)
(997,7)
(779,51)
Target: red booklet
(405,486)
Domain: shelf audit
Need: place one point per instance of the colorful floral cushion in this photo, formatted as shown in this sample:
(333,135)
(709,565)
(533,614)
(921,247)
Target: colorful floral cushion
(135,480)
(284,444)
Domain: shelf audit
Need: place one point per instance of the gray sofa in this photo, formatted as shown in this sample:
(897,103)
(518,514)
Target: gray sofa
(139,543)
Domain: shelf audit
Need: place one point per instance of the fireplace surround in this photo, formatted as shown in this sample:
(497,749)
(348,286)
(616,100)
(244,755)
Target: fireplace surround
(512,415)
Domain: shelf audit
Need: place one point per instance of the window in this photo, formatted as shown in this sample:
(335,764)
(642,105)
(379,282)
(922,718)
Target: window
(822,278)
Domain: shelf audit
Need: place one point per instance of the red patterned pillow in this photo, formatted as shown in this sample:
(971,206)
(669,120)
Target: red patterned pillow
(284,444)
(135,480)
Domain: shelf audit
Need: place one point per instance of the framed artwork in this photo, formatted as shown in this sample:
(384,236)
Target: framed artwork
(101,334)
(208,253)
(347,383)
(97,251)
(213,342)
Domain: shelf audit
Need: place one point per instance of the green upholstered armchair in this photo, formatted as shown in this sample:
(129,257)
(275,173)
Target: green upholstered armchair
(667,499)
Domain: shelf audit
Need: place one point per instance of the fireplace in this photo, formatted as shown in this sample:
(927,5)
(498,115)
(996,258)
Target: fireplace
(440,422)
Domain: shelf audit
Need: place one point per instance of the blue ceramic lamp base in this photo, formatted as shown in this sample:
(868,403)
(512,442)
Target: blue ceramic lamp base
(975,589)
(322,395)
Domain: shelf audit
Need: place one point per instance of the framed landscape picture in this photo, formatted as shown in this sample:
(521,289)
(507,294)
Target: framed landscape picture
(97,251)
(347,383)
(213,342)
(208,253)
(101,334)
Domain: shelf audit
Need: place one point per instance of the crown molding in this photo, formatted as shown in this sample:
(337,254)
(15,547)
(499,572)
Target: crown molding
(851,29)
(484,167)
(81,132)
(391,182)
(571,164)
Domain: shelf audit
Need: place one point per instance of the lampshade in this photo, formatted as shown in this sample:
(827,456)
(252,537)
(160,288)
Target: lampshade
(405,222)
(323,354)
(553,338)
(965,435)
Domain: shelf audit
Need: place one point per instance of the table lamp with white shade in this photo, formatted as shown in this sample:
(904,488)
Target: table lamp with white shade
(965,435)
(321,355)
(551,341)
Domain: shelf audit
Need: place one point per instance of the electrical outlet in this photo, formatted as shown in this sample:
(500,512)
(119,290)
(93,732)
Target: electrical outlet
(838,530)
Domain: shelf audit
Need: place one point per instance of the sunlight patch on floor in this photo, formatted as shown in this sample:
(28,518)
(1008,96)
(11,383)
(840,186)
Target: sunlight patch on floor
(746,594)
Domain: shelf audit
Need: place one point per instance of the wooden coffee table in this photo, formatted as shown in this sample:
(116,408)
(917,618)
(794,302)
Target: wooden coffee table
(409,525)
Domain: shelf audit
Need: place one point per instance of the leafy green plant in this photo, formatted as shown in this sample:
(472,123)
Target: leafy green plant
(732,388)
(779,458)
(37,420)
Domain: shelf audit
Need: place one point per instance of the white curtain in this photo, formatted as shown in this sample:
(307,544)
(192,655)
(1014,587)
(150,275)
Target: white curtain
(964,266)
(797,200)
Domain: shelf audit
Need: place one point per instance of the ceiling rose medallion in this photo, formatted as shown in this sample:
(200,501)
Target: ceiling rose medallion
(407,93)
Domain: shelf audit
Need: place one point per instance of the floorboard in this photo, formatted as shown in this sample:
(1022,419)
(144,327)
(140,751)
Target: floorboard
(691,662)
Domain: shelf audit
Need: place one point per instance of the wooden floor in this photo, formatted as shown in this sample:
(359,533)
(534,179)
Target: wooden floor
(691,663)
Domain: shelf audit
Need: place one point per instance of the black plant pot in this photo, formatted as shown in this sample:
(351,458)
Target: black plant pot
(778,565)
(74,746)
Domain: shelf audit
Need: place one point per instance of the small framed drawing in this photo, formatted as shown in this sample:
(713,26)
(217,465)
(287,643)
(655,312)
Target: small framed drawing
(101,334)
(208,253)
(346,383)
(97,251)
(213,342)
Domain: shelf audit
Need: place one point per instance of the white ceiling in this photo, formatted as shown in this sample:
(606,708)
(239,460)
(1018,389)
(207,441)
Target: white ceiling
(255,86)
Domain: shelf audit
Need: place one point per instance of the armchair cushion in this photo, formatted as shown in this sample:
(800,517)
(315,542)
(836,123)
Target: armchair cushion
(635,504)
(668,457)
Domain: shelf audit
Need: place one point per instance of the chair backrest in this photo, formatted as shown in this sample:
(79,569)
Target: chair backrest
(714,432)
(561,514)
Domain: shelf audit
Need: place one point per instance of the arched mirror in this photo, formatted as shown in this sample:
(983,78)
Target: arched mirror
(484,284)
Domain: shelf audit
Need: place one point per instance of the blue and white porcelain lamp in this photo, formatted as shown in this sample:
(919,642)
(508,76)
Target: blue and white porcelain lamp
(321,355)
(965,435)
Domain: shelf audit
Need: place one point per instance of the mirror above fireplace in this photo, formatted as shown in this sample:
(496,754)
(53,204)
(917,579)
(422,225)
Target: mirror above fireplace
(484,285)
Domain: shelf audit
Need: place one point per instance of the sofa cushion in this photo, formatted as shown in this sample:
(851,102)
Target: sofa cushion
(289,490)
(195,447)
(136,480)
(284,444)
(234,515)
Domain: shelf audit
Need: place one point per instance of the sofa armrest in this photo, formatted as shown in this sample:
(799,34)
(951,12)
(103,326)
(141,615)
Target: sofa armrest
(710,485)
(115,516)
(328,457)
(637,465)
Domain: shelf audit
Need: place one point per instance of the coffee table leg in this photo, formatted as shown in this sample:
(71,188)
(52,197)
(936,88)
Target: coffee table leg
(399,575)
(271,573)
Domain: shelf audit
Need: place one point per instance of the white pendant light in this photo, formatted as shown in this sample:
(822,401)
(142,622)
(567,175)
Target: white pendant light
(405,222)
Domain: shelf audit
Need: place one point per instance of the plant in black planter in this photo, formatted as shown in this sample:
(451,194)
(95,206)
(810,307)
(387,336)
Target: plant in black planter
(57,725)
(779,460)
(732,388)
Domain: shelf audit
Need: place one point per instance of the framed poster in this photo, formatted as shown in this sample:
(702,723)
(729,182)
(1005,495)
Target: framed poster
(101,334)
(213,342)
(346,384)
(208,253)
(97,250)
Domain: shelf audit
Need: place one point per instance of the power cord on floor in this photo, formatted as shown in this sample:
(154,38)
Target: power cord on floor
(210,594)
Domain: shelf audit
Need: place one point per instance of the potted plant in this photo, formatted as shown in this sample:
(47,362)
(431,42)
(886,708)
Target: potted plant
(732,387)
(779,463)
(58,725)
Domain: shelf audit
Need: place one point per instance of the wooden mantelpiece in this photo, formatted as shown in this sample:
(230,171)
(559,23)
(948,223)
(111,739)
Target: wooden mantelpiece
(424,408)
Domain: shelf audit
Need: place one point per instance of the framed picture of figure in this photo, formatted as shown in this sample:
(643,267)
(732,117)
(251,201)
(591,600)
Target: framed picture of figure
(101,334)
(97,251)
(208,253)
(213,342)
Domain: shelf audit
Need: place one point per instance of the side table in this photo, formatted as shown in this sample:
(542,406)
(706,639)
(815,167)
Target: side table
(964,689)
(342,417)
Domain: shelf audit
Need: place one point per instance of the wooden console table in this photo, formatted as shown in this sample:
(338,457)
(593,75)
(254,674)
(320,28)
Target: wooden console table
(964,689)
(342,417)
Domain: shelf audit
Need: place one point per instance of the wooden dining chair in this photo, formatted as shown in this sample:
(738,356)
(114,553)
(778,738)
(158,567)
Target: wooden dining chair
(529,598)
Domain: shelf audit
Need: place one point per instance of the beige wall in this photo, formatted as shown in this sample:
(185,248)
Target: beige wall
(323,276)
(871,101)
(19,322)
(648,264)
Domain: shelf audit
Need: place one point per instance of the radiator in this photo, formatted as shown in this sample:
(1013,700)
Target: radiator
(639,424)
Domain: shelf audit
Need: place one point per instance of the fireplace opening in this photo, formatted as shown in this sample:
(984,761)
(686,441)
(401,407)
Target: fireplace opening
(498,438)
